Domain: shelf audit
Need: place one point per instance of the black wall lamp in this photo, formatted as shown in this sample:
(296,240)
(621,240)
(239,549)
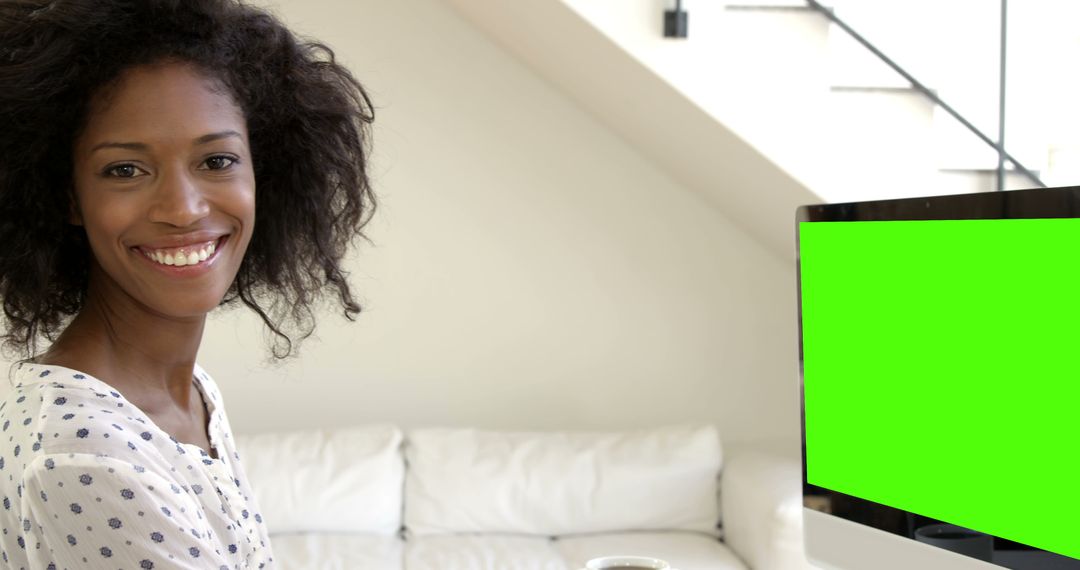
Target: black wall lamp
(675,21)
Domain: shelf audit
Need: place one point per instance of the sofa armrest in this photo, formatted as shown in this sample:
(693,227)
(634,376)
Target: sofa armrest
(761,509)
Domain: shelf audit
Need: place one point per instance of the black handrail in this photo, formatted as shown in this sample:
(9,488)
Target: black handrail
(920,87)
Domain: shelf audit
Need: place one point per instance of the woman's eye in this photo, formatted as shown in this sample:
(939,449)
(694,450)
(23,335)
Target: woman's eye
(219,162)
(123,171)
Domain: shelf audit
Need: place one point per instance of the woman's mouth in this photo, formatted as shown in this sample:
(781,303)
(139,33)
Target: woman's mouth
(192,254)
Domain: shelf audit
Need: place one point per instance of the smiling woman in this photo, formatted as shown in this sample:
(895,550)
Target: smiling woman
(159,158)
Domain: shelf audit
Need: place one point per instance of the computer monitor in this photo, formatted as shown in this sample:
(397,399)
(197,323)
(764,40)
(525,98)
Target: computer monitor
(940,367)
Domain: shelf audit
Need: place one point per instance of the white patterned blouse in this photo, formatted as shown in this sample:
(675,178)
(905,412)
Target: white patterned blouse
(87,480)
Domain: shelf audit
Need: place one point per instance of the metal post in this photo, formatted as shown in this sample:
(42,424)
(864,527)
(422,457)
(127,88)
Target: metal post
(1001,102)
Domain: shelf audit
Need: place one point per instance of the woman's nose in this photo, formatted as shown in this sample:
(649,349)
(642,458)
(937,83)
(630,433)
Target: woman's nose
(178,200)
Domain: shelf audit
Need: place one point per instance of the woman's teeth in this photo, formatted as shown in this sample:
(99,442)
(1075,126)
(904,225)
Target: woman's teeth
(182,256)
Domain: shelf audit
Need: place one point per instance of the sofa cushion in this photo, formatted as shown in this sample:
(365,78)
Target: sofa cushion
(683,550)
(337,552)
(464,480)
(481,552)
(346,480)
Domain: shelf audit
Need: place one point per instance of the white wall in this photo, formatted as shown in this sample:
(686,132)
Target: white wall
(531,270)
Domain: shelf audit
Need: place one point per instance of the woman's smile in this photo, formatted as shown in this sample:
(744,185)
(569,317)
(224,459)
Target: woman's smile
(191,258)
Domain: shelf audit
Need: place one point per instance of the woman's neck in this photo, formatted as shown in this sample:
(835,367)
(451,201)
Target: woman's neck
(147,356)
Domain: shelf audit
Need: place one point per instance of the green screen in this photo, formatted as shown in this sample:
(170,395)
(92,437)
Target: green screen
(942,370)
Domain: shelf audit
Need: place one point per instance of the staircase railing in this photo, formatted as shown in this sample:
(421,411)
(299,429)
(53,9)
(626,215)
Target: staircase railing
(999,145)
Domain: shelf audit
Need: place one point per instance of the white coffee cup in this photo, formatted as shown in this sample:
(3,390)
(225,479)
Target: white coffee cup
(615,562)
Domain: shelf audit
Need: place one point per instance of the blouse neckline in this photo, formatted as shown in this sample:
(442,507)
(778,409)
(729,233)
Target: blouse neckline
(25,374)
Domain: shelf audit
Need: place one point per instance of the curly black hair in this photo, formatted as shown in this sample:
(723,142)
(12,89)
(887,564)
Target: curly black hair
(302,109)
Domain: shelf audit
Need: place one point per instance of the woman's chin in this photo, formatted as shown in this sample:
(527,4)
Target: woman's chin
(183,307)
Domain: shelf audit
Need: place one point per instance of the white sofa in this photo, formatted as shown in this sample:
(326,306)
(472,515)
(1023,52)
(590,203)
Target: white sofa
(374,498)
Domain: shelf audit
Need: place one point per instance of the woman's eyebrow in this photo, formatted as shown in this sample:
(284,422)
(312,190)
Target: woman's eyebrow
(123,145)
(142,146)
(217,136)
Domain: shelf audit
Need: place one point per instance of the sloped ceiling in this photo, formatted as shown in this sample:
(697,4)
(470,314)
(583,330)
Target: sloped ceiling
(649,113)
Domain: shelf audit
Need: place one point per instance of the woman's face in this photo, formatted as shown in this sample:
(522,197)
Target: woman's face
(165,189)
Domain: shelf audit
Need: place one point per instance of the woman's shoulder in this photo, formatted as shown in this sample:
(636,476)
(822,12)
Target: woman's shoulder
(45,395)
(56,410)
(61,394)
